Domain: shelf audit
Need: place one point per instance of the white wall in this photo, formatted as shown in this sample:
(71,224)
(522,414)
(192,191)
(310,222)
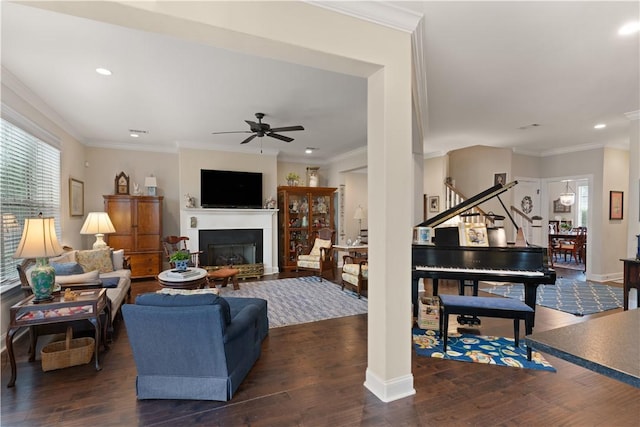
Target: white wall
(435,173)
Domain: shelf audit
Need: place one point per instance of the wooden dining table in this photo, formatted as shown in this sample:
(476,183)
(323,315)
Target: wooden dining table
(568,236)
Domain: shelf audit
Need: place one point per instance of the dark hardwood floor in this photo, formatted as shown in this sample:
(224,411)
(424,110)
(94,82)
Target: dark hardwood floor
(313,374)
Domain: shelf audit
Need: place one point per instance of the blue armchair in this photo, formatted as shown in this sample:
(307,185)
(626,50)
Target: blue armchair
(199,346)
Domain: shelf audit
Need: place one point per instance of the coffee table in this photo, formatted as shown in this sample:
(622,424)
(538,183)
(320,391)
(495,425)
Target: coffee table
(193,278)
(89,305)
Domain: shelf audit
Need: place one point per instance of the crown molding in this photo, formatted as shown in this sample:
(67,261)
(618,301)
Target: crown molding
(13,83)
(633,115)
(379,12)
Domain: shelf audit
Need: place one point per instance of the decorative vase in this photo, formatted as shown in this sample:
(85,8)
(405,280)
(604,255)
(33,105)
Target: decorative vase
(43,278)
(182,264)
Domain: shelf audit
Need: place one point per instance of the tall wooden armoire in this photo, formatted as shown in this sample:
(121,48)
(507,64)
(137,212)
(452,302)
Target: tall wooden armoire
(138,224)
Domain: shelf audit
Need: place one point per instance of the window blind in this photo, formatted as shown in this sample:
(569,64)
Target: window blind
(29,185)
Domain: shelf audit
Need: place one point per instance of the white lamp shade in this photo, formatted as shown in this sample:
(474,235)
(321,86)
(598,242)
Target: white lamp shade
(567,199)
(150,181)
(97,223)
(359,213)
(39,239)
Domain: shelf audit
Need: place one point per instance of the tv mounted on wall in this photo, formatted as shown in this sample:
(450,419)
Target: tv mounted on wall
(230,189)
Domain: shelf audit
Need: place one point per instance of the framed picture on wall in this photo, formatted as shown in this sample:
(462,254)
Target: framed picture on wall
(500,178)
(560,208)
(434,204)
(616,204)
(76,197)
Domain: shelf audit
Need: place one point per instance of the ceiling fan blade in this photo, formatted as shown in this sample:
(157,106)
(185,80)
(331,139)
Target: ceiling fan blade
(280,137)
(287,129)
(249,139)
(235,131)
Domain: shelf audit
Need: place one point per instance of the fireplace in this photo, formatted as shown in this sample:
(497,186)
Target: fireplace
(234,246)
(260,224)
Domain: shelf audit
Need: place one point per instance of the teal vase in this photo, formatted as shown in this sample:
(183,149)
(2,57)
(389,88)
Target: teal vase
(43,278)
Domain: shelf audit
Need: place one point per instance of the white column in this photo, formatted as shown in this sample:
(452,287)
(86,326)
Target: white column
(634,183)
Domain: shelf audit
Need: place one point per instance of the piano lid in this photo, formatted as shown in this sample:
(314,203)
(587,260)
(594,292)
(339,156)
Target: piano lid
(470,203)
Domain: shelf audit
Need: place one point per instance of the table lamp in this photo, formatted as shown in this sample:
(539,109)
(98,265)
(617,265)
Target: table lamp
(151,183)
(39,241)
(98,223)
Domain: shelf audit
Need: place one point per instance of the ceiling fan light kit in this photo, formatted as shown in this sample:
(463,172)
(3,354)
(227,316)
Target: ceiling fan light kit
(259,129)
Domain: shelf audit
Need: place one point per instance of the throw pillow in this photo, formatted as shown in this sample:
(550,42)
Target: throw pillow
(117,259)
(95,259)
(69,256)
(67,268)
(91,276)
(319,243)
(165,300)
(110,282)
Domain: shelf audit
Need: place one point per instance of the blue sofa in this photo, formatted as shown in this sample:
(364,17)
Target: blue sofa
(199,346)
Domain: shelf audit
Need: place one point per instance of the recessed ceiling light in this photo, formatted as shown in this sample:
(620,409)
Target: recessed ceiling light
(600,126)
(629,28)
(310,150)
(134,135)
(103,71)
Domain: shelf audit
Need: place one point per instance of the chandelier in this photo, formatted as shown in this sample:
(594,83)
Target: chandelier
(567,198)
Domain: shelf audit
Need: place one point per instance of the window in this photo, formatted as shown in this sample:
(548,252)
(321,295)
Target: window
(29,185)
(583,204)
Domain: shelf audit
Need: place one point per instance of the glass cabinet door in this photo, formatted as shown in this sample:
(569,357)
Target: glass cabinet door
(321,212)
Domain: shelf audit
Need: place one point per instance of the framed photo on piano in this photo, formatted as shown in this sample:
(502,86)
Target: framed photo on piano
(473,234)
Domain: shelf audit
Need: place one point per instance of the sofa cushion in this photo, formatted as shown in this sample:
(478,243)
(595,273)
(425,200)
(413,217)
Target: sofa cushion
(69,256)
(166,300)
(67,268)
(95,259)
(117,259)
(92,276)
(110,282)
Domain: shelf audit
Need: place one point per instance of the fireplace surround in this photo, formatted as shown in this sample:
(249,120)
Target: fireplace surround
(233,223)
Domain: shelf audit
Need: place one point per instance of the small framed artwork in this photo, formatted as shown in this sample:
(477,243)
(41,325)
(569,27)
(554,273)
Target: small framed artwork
(616,204)
(500,178)
(434,204)
(76,197)
(560,208)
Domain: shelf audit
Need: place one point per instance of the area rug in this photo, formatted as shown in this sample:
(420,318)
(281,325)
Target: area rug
(300,300)
(498,351)
(571,265)
(569,295)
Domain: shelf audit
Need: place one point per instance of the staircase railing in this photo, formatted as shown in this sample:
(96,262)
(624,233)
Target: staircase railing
(454,197)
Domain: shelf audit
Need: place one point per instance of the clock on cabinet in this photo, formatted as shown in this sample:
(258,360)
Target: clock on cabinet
(122,183)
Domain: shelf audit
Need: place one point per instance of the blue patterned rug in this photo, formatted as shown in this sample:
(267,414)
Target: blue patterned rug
(478,349)
(300,300)
(568,295)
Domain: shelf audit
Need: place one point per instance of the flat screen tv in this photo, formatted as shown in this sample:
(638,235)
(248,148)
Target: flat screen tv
(230,189)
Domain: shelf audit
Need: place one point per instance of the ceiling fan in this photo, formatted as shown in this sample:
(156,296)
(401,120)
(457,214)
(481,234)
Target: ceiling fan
(260,129)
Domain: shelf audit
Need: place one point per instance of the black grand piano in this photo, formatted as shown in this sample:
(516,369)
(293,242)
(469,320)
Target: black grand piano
(446,259)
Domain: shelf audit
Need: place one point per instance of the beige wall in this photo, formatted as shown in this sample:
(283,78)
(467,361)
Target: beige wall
(435,172)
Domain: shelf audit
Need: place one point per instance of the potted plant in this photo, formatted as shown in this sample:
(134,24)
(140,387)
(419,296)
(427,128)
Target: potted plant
(293,178)
(180,259)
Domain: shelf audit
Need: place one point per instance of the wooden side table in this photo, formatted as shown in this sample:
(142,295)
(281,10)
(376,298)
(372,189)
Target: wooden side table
(631,280)
(89,305)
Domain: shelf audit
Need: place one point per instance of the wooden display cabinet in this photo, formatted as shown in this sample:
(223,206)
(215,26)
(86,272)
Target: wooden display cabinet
(138,224)
(301,211)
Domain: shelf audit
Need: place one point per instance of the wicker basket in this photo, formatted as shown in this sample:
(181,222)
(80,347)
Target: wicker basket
(70,352)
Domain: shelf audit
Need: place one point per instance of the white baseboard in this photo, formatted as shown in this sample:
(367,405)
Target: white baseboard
(389,390)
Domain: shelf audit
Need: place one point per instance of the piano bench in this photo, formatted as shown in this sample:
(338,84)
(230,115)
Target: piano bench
(506,308)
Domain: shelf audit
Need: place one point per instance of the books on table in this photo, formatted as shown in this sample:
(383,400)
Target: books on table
(177,274)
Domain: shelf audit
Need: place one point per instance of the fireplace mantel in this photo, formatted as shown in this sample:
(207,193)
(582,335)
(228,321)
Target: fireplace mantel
(194,219)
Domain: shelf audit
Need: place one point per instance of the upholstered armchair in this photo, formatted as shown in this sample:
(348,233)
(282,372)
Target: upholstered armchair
(199,346)
(320,258)
(355,272)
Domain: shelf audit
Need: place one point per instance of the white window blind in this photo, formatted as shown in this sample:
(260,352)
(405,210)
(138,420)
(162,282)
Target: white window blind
(29,185)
